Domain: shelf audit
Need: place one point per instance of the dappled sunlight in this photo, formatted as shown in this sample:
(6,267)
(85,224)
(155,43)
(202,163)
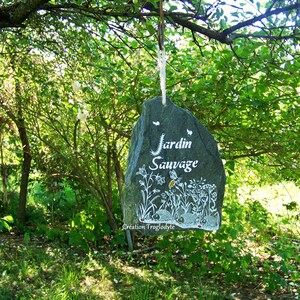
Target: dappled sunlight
(282,200)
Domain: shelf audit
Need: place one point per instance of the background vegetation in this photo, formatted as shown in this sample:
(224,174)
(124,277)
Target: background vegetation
(73,78)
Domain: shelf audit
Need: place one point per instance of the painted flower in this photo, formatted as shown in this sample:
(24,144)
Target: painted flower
(142,171)
(173,175)
(160,180)
(214,196)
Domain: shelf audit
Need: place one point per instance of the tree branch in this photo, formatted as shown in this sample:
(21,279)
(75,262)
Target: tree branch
(14,15)
(212,34)
(269,37)
(269,13)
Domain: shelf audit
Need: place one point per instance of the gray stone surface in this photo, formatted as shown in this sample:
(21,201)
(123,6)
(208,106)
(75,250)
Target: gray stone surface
(175,178)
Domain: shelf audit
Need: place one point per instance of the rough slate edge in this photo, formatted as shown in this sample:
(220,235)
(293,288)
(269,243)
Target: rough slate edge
(140,124)
(137,144)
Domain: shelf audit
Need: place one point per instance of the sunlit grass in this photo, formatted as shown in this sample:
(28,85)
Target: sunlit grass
(282,200)
(33,273)
(255,251)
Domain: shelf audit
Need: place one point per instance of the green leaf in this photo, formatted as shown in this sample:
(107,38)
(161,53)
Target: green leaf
(8,219)
(172,8)
(258,5)
(4,223)
(223,24)
(6,226)
(134,44)
(229,165)
(150,28)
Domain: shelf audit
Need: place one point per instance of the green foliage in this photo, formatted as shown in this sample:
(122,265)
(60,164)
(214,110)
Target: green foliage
(250,246)
(5,223)
(80,87)
(55,201)
(253,252)
(82,231)
(89,227)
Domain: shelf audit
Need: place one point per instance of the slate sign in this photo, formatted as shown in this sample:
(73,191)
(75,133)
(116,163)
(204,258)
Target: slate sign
(175,178)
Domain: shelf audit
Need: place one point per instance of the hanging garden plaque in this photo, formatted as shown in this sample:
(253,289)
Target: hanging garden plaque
(175,177)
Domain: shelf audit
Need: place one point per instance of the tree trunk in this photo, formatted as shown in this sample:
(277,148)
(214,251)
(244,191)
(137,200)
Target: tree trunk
(25,171)
(18,119)
(111,219)
(20,123)
(118,170)
(4,185)
(3,175)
